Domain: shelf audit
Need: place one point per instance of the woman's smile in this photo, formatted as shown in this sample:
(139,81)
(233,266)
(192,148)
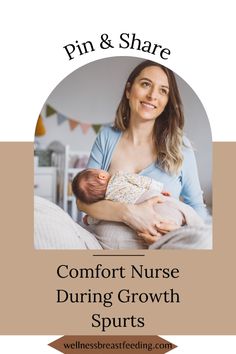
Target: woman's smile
(148,105)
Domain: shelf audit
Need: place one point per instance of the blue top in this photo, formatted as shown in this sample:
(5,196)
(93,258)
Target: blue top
(185,184)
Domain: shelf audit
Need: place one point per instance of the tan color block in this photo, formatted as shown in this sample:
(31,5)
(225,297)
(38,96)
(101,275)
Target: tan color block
(29,280)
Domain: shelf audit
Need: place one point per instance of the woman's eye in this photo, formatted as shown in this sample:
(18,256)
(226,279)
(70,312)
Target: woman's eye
(163,91)
(145,84)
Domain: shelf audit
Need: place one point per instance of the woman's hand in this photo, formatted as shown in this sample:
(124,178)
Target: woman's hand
(166,226)
(147,238)
(162,229)
(143,217)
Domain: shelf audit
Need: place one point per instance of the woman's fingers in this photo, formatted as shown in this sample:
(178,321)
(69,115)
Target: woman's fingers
(165,226)
(149,239)
(142,218)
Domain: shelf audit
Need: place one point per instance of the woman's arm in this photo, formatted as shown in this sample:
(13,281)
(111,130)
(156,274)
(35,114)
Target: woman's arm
(191,190)
(140,217)
(104,210)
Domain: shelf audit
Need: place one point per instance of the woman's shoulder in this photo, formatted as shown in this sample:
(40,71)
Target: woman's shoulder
(188,153)
(186,143)
(108,133)
(187,147)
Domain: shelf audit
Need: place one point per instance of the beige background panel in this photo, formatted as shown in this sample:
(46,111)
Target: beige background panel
(29,281)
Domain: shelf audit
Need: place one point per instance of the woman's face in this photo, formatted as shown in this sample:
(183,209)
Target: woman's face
(149,94)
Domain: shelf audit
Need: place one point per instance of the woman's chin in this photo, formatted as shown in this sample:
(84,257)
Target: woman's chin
(147,118)
(144,118)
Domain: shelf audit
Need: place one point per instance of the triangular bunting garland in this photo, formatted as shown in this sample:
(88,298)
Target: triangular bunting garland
(85,127)
(73,123)
(50,111)
(40,128)
(61,119)
(96,127)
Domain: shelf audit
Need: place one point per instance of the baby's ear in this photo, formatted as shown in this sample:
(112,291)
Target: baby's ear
(102,175)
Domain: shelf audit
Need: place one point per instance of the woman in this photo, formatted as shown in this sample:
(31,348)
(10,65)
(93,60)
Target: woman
(147,138)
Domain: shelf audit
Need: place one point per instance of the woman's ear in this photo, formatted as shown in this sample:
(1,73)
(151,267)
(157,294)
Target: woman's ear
(127,91)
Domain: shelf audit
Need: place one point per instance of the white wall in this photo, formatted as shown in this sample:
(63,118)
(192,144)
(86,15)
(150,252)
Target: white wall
(91,94)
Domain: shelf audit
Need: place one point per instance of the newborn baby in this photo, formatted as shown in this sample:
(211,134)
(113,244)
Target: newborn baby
(93,185)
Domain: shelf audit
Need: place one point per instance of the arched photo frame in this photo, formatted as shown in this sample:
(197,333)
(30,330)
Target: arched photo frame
(69,122)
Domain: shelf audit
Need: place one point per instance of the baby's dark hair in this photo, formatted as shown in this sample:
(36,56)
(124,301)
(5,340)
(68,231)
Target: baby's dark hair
(87,187)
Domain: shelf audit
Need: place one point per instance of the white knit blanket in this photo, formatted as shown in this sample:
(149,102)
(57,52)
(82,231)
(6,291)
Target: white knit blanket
(55,229)
(186,238)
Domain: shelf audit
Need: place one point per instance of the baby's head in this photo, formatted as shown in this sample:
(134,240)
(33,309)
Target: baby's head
(90,185)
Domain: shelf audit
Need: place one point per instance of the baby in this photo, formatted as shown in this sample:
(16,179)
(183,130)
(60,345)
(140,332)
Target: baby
(93,185)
